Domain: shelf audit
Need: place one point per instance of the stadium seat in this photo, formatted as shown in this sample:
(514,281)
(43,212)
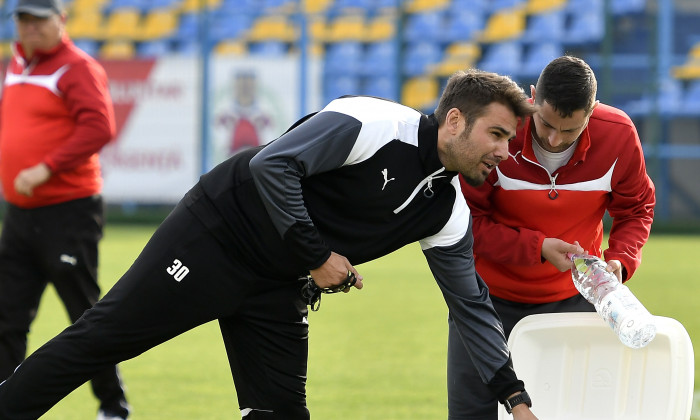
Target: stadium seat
(152,5)
(458,56)
(123,24)
(627,7)
(235,47)
(463,25)
(86,25)
(504,25)
(343,58)
(545,27)
(544,6)
(691,98)
(189,6)
(82,6)
(503,58)
(154,48)
(7,29)
(272,28)
(159,23)
(425,6)
(382,87)
(337,86)
(380,59)
(576,368)
(691,68)
(188,28)
(586,27)
(90,46)
(426,26)
(5,50)
(316,7)
(419,57)
(537,57)
(346,28)
(498,6)
(117,50)
(111,6)
(268,48)
(228,26)
(420,93)
(380,28)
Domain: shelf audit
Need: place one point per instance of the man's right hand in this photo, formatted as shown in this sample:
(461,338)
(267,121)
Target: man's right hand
(554,250)
(335,272)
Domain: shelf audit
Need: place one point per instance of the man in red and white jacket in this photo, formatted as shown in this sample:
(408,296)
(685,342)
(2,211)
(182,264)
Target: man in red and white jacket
(571,161)
(56,114)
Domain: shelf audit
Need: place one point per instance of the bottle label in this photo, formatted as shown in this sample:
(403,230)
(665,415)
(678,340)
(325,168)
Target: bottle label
(617,306)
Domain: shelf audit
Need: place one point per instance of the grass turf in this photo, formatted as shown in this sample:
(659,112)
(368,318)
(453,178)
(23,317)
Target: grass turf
(377,354)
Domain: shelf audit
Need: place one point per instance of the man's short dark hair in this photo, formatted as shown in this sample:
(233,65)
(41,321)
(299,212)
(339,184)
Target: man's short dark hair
(471,91)
(568,84)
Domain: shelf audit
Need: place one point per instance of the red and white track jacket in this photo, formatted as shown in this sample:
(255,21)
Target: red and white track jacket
(55,109)
(521,204)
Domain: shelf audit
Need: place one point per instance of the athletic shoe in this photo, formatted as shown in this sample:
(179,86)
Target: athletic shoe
(102,415)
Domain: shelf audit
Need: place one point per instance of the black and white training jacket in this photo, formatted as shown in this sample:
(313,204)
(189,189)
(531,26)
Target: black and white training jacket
(361,178)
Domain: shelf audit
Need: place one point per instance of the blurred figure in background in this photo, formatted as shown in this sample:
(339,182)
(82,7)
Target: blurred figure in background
(55,116)
(573,160)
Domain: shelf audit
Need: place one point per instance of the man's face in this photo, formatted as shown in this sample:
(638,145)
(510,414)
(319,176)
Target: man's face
(480,148)
(39,33)
(555,133)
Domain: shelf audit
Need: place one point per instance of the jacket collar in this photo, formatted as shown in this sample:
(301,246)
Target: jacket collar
(41,54)
(584,143)
(427,144)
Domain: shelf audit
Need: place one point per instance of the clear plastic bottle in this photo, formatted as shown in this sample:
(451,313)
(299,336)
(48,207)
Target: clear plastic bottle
(613,301)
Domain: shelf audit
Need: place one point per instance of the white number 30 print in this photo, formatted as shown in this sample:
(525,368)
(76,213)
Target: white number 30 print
(177,270)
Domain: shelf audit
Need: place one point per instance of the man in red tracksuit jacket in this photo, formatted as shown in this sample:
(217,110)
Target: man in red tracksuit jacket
(55,116)
(571,161)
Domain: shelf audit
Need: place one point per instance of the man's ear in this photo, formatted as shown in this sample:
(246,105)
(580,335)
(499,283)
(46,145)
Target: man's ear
(454,121)
(532,93)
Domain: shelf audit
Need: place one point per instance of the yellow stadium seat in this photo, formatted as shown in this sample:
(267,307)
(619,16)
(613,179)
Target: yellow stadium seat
(381,28)
(504,25)
(691,68)
(117,50)
(315,6)
(458,56)
(159,24)
(317,28)
(87,24)
(5,50)
(273,27)
(81,6)
(543,6)
(123,24)
(190,6)
(233,47)
(419,6)
(347,28)
(420,92)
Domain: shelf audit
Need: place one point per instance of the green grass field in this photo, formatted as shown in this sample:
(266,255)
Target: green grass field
(375,354)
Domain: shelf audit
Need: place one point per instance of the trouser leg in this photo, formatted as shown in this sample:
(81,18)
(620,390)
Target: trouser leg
(267,347)
(468,397)
(154,301)
(21,287)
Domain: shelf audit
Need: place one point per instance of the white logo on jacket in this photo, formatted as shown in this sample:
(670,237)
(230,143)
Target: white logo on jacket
(385,172)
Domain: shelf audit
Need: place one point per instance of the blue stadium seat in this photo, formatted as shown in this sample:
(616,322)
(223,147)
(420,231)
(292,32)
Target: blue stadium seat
(503,58)
(627,7)
(188,28)
(7,29)
(463,25)
(336,86)
(188,47)
(343,58)
(90,46)
(418,58)
(155,48)
(537,57)
(545,27)
(228,25)
(381,86)
(159,4)
(380,59)
(691,98)
(426,26)
(269,48)
(496,5)
(586,27)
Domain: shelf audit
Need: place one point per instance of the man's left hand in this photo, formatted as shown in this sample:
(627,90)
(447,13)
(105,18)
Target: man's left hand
(31,177)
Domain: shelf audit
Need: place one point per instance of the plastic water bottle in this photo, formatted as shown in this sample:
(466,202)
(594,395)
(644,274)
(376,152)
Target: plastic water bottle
(613,301)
